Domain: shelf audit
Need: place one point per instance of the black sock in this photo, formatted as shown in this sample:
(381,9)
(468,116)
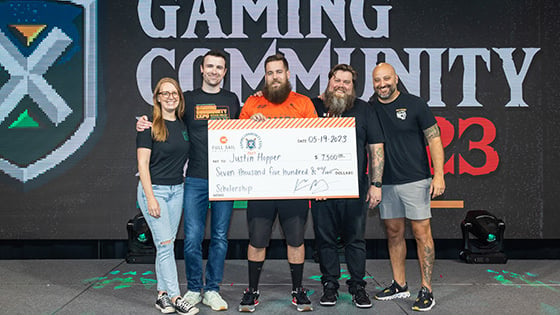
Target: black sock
(297,275)
(255,268)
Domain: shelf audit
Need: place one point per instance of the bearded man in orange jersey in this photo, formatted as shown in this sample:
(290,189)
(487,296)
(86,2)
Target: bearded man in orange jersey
(277,101)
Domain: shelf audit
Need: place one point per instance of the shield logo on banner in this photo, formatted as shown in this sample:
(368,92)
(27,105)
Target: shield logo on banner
(48,83)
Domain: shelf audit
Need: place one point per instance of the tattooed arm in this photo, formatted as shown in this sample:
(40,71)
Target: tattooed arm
(377,162)
(433,137)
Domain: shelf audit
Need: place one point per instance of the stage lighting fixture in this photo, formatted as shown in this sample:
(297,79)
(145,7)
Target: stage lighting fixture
(141,249)
(488,233)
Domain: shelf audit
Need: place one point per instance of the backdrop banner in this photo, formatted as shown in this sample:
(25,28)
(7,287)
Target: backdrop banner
(74,75)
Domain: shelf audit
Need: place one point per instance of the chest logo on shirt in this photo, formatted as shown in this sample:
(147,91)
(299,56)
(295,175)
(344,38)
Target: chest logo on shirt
(401,113)
(185,135)
(211,111)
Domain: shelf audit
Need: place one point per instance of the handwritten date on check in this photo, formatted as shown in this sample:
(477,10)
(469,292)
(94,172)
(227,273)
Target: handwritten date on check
(296,158)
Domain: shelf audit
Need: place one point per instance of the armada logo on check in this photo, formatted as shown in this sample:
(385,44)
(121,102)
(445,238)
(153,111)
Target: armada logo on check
(251,142)
(48,83)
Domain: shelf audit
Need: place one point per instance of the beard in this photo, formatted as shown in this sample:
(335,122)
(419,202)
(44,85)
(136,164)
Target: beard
(277,95)
(389,93)
(338,105)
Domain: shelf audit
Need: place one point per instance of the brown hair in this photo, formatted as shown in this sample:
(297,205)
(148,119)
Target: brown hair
(344,67)
(276,57)
(159,131)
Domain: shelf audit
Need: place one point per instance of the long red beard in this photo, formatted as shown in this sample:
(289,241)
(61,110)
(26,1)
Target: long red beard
(277,95)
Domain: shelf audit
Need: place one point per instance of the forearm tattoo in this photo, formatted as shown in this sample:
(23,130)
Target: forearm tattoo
(377,163)
(432,132)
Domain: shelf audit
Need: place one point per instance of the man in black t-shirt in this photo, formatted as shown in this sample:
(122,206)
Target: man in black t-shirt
(408,124)
(346,218)
(201,105)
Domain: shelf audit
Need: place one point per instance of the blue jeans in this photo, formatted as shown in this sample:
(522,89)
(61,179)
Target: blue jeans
(164,230)
(194,223)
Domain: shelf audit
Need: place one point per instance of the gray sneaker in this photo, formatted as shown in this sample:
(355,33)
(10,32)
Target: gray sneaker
(192,297)
(215,301)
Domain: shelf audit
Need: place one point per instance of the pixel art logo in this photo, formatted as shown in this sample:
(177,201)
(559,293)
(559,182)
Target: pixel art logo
(48,83)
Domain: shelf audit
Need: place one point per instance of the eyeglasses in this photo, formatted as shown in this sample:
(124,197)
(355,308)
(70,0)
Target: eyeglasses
(168,94)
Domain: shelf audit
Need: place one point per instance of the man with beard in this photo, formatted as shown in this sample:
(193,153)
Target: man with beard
(346,218)
(278,101)
(208,102)
(408,124)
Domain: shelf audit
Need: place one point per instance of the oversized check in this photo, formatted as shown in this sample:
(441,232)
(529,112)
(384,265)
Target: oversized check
(292,158)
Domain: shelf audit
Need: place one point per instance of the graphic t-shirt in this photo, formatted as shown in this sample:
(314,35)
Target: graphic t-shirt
(199,108)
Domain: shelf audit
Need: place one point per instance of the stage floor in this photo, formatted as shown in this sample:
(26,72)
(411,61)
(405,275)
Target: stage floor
(115,287)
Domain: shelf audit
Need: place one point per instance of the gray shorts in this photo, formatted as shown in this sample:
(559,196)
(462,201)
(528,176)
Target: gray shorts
(410,200)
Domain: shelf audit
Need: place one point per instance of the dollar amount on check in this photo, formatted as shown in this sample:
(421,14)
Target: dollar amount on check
(282,159)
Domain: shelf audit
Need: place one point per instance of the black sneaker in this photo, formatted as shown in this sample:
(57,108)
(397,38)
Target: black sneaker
(183,307)
(163,303)
(425,301)
(361,298)
(301,301)
(394,291)
(249,301)
(330,294)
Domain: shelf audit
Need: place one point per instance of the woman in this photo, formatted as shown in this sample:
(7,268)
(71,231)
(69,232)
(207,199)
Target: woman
(162,152)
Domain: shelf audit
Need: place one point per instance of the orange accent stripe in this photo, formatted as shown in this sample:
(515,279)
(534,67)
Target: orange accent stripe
(455,204)
(295,123)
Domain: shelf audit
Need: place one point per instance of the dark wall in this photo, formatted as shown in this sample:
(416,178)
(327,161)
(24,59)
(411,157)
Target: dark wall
(487,68)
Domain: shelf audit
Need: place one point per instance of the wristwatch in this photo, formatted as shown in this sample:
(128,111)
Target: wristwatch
(376,184)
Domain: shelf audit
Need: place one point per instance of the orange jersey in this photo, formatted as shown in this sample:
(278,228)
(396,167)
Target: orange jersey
(295,106)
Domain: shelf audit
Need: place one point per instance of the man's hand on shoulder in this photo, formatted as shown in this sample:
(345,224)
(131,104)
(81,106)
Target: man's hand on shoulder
(258,117)
(143,123)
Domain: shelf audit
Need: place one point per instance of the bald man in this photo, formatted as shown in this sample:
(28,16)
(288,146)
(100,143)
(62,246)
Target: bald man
(408,184)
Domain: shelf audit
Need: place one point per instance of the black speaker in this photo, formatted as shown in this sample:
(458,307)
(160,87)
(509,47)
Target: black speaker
(486,246)
(141,249)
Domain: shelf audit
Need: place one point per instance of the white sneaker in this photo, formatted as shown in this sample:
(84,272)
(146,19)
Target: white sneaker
(215,301)
(192,297)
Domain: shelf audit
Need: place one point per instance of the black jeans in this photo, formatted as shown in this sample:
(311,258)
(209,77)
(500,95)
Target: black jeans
(345,218)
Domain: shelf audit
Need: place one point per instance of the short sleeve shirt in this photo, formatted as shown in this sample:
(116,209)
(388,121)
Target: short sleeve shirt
(167,157)
(199,108)
(404,121)
(295,106)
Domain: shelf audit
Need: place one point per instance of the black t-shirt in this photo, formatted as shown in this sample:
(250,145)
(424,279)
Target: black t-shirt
(368,131)
(199,108)
(404,121)
(167,158)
